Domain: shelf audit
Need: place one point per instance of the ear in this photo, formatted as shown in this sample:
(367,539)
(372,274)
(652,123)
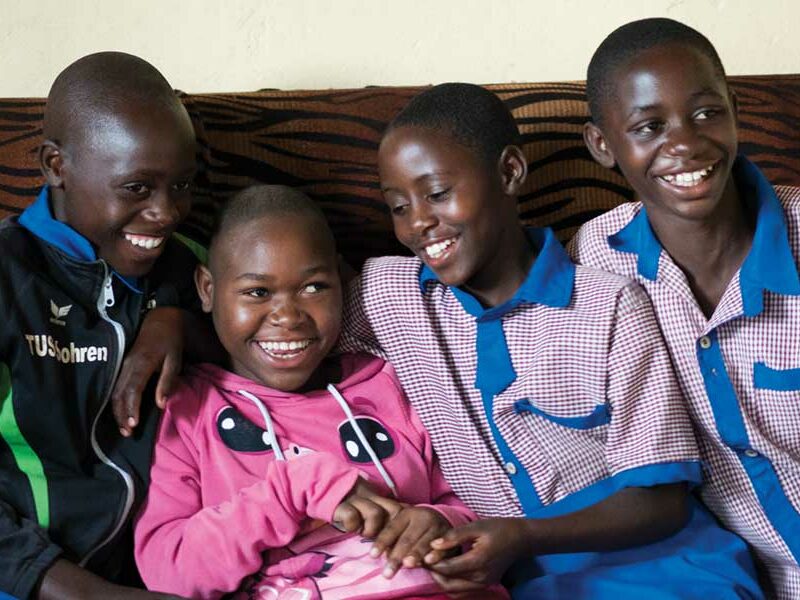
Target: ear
(513,169)
(734,106)
(205,287)
(598,147)
(51,162)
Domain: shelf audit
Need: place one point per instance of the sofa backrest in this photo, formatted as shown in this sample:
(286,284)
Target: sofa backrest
(325,143)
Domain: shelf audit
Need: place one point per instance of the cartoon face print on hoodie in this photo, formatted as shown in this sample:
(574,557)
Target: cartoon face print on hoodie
(240,434)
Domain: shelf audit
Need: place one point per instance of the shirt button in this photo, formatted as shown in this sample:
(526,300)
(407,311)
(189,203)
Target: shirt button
(705,342)
(751,453)
(511,468)
(714,372)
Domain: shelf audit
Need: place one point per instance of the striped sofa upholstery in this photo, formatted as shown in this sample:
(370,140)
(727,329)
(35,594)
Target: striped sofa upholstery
(325,142)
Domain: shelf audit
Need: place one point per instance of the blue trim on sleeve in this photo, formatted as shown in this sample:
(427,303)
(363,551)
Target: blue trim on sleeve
(647,476)
(599,416)
(781,380)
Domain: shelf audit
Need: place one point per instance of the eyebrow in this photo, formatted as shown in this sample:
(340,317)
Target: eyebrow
(266,277)
(706,91)
(422,177)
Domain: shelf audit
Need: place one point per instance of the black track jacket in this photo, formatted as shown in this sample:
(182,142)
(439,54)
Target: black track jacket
(69,482)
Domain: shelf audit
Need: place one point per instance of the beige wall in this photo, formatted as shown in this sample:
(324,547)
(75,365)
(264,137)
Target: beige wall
(235,45)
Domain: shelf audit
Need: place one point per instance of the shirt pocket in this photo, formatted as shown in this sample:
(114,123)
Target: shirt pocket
(779,380)
(776,410)
(571,443)
(600,415)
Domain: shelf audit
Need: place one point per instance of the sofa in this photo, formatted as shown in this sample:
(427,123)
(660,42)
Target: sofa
(325,142)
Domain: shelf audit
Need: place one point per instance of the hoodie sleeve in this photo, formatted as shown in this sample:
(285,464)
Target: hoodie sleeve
(186,548)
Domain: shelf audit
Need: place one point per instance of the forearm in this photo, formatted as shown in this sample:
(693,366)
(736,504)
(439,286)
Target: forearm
(67,581)
(631,517)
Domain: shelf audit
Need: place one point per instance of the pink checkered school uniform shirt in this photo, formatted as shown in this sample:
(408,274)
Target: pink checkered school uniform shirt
(739,370)
(546,404)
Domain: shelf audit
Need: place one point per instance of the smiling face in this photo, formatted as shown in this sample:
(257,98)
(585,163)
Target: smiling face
(671,128)
(275,295)
(126,186)
(449,207)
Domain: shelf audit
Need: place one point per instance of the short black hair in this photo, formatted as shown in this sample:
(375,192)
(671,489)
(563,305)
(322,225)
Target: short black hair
(100,85)
(625,42)
(259,201)
(471,114)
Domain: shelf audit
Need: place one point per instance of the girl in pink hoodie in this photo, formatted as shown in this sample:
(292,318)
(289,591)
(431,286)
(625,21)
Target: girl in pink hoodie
(267,481)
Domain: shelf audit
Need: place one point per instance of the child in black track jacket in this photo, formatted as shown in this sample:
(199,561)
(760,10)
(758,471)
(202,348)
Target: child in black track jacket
(80,270)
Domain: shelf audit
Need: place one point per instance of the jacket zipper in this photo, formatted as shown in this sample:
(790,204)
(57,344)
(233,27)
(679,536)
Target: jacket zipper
(104,302)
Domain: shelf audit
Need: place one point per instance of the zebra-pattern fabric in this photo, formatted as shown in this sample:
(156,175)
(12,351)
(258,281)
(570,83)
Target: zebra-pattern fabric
(325,143)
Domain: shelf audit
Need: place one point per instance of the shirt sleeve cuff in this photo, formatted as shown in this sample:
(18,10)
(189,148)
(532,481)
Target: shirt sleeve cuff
(690,472)
(32,573)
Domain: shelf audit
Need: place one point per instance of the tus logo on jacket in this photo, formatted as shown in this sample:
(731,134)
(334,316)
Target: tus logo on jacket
(47,346)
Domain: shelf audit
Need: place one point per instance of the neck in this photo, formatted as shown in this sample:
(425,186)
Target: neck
(500,278)
(328,371)
(710,250)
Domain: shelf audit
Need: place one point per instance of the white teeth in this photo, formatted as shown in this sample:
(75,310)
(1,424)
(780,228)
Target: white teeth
(146,242)
(284,349)
(436,250)
(688,179)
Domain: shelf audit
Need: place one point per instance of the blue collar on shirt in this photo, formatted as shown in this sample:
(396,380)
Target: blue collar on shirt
(769,265)
(549,281)
(38,219)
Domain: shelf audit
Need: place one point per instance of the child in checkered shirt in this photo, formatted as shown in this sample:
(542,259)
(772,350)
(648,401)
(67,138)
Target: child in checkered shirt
(716,247)
(546,387)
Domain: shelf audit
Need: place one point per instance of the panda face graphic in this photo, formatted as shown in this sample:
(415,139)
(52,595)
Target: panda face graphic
(375,433)
(240,434)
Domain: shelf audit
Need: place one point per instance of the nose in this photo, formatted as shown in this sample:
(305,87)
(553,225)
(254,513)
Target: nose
(285,314)
(422,217)
(681,140)
(167,208)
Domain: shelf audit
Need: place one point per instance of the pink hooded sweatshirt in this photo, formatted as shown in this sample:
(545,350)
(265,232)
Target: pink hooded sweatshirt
(245,480)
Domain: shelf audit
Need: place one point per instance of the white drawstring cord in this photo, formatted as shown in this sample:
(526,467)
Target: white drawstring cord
(362,438)
(273,439)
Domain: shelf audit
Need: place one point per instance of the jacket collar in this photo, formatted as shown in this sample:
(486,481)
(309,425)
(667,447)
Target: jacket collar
(39,220)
